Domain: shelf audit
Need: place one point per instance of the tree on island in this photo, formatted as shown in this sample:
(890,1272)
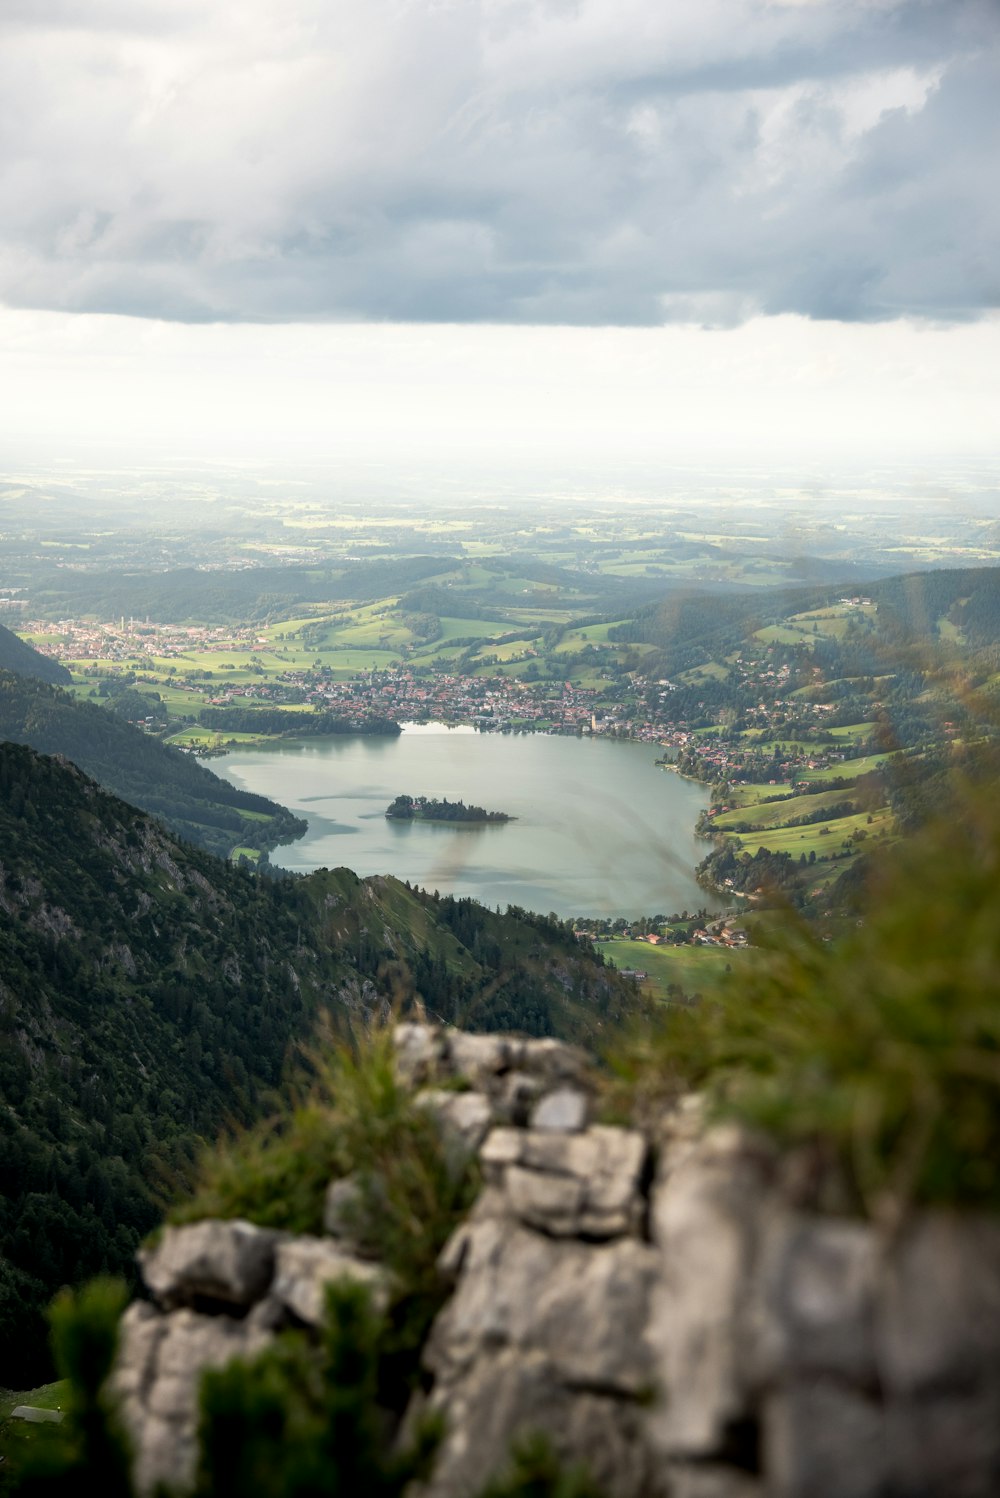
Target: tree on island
(422,809)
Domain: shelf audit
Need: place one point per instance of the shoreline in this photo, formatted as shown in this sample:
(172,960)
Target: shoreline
(444,728)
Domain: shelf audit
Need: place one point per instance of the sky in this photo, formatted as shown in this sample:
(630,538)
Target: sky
(575,229)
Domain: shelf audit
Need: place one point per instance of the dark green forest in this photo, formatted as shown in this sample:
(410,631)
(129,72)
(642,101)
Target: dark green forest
(194,803)
(151,993)
(222,596)
(690,628)
(16,655)
(272,721)
(424,809)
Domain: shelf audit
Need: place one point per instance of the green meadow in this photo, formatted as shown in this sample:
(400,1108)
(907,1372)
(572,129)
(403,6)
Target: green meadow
(693,969)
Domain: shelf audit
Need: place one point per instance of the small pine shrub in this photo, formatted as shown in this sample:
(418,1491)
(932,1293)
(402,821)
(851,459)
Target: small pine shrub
(359,1120)
(536,1472)
(301,1421)
(88,1452)
(274,1174)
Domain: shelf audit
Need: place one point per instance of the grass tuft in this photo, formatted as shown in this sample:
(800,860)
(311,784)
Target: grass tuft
(882,1048)
(356,1120)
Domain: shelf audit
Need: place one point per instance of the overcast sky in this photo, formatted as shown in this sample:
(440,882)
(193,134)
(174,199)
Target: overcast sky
(332,223)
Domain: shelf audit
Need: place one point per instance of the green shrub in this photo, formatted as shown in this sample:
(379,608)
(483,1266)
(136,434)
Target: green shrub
(359,1120)
(89,1449)
(274,1174)
(301,1421)
(882,1049)
(536,1472)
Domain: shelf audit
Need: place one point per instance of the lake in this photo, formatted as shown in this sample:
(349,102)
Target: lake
(600,829)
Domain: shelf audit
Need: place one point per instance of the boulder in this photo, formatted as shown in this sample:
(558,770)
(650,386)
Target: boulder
(231,1262)
(464,1117)
(711,1480)
(304,1267)
(156,1378)
(480,1059)
(584,1306)
(939,1305)
(419,1051)
(341,1209)
(513,1394)
(826,1440)
(945,1445)
(563,1111)
(817,1283)
(542,1334)
(586,1184)
(706,1212)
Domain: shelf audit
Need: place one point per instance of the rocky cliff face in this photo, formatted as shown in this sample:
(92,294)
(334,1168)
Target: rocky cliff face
(652,1300)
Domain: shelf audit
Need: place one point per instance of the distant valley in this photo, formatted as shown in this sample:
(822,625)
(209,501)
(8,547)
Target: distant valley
(153,984)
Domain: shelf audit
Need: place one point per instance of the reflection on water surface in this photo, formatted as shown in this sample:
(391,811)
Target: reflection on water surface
(600,829)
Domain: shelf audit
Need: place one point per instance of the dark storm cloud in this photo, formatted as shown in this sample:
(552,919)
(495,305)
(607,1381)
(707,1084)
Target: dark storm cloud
(606,161)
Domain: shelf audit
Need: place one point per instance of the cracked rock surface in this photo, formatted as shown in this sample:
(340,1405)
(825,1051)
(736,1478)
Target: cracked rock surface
(656,1302)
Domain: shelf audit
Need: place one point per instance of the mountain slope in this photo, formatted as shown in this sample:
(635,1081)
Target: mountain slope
(17,655)
(192,801)
(149,992)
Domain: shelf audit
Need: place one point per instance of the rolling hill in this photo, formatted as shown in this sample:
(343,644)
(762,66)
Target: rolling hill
(17,655)
(193,802)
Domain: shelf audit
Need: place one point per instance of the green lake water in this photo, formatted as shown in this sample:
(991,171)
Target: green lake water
(600,829)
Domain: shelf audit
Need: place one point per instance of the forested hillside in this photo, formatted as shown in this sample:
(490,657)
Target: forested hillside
(691,628)
(222,595)
(193,802)
(149,992)
(16,655)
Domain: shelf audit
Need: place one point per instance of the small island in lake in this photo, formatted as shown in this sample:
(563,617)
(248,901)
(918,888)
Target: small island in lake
(421,809)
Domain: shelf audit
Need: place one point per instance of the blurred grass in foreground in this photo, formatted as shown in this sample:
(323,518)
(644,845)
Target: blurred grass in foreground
(882,1048)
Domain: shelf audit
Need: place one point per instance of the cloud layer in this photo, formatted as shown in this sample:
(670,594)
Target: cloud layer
(525,161)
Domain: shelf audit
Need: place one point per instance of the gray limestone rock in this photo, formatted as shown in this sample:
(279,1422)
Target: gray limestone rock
(939,1322)
(480,1059)
(555,1060)
(551,1203)
(825,1440)
(502,1147)
(585,1184)
(817,1281)
(304,1267)
(753,1349)
(711,1480)
(946,1445)
(705,1217)
(419,1052)
(465,1117)
(562,1111)
(218,1261)
(340,1209)
(511,1394)
(516,1095)
(583,1305)
(156,1378)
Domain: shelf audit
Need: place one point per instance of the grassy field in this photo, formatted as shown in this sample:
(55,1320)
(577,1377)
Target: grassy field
(45,1397)
(695,969)
(778,813)
(848,768)
(850,733)
(823,838)
(830,623)
(711,670)
(784,634)
(19,1439)
(590,634)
